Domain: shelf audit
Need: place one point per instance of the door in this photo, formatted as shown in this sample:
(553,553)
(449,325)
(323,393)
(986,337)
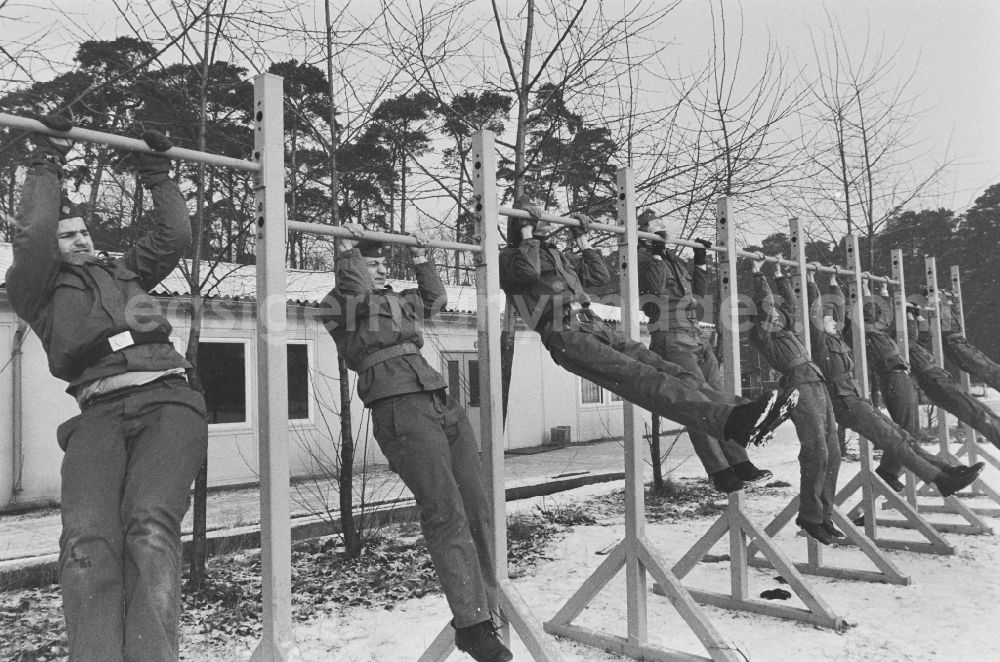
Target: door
(461,370)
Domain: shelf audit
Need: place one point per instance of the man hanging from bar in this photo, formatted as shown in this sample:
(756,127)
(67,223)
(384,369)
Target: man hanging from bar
(892,371)
(957,348)
(776,335)
(832,354)
(134,449)
(547,289)
(941,388)
(671,296)
(423,432)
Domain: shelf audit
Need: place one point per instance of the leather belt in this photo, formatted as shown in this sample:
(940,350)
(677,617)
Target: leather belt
(383,355)
(120,341)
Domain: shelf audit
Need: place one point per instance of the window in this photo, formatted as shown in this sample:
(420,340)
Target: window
(298,382)
(590,393)
(223,371)
(473,383)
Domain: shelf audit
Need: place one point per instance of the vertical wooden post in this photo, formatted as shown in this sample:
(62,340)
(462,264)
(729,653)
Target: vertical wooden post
(902,341)
(958,310)
(272,370)
(860,355)
(934,320)
(490,301)
(728,326)
(635,520)
(799,285)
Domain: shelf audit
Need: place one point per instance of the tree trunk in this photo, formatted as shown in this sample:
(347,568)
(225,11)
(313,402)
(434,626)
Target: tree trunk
(345,482)
(199,536)
(509,332)
(654,454)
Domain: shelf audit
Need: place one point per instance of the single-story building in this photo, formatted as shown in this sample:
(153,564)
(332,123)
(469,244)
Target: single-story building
(33,403)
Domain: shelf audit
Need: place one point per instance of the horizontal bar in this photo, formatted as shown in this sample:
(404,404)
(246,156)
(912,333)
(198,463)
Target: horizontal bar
(617,229)
(130,144)
(384,237)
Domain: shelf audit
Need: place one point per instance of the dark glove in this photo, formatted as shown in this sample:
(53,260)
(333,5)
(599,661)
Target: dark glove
(52,148)
(583,228)
(701,254)
(151,168)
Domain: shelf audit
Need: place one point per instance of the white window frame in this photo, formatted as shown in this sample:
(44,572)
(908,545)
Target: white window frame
(310,374)
(581,382)
(248,402)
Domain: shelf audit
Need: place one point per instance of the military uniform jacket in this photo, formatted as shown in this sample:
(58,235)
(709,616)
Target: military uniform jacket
(774,334)
(73,308)
(363,322)
(830,352)
(543,282)
(669,291)
(880,346)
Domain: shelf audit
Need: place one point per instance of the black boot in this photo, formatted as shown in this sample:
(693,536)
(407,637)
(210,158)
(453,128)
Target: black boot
(890,480)
(767,413)
(750,473)
(957,478)
(726,480)
(832,530)
(482,643)
(817,531)
(743,421)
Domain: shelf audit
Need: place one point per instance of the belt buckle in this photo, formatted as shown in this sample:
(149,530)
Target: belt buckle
(120,341)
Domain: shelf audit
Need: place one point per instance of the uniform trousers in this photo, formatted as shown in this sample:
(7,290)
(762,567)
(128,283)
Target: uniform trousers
(637,374)
(130,458)
(943,391)
(903,403)
(819,453)
(858,414)
(690,349)
(973,361)
(429,442)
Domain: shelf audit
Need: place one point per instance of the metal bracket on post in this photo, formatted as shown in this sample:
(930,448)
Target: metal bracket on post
(746,537)
(886,571)
(871,485)
(272,372)
(634,552)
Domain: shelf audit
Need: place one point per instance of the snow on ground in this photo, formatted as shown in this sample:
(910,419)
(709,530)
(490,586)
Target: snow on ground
(949,613)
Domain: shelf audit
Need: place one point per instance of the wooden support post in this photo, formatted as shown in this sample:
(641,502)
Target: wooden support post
(956,309)
(490,301)
(272,372)
(634,553)
(745,536)
(952,504)
(870,484)
(971,449)
(886,571)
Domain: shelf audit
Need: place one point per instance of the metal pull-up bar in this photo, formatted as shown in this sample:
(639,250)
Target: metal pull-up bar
(384,237)
(754,255)
(130,144)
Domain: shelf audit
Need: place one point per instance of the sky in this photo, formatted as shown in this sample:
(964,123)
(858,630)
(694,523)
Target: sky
(951,48)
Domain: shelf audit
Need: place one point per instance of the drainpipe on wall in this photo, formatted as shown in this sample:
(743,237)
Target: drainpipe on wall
(16,412)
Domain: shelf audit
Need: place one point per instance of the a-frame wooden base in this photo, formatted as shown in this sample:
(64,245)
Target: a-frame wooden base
(744,532)
(886,573)
(952,505)
(517,614)
(637,555)
(935,543)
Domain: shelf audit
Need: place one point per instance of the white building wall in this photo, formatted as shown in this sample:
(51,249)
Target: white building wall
(542,396)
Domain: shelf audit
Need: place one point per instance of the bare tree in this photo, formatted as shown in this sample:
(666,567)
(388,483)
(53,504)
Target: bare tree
(863,157)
